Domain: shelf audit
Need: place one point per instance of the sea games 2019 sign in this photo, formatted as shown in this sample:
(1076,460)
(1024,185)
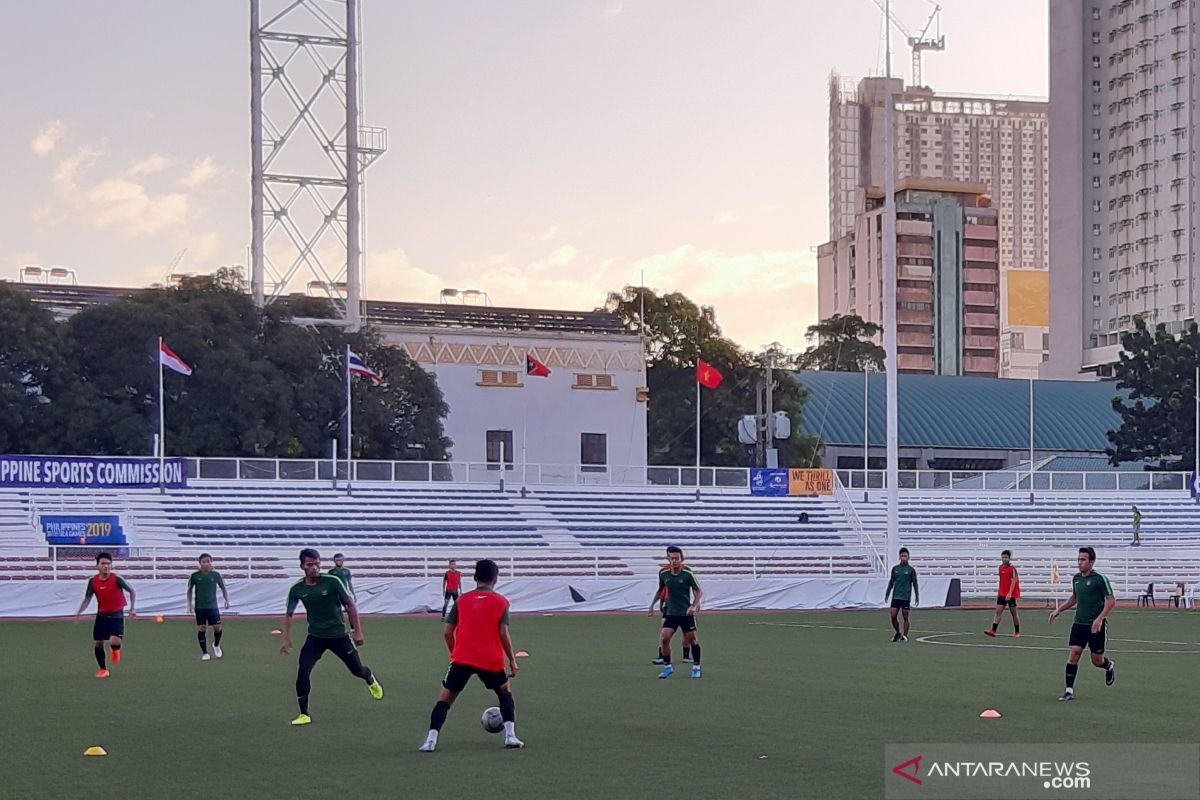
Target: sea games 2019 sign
(82,472)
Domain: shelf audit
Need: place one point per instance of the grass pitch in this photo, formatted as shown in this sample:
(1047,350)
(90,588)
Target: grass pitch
(790,705)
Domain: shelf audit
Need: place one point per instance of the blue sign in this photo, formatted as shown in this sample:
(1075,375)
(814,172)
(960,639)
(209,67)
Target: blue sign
(769,482)
(82,529)
(83,472)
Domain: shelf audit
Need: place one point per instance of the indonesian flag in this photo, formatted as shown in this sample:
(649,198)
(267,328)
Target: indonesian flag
(707,375)
(167,357)
(535,368)
(359,367)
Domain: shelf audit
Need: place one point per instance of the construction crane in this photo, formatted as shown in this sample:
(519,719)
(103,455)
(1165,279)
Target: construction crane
(922,41)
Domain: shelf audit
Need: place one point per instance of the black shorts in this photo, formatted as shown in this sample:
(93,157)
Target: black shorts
(316,646)
(105,627)
(686,622)
(900,604)
(208,616)
(448,595)
(1000,601)
(458,675)
(1082,636)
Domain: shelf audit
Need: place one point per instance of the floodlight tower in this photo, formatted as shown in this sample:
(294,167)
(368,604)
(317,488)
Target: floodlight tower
(309,150)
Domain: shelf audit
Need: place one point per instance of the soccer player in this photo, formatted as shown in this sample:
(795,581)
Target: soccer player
(323,596)
(205,582)
(109,626)
(476,634)
(1092,597)
(451,584)
(1010,592)
(343,574)
(687,651)
(1137,527)
(902,585)
(683,603)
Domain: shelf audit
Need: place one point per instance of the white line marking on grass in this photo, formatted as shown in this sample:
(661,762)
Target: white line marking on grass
(930,639)
(972,633)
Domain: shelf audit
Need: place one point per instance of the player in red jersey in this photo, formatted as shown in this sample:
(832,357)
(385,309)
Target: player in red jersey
(1010,591)
(477,636)
(451,584)
(109,626)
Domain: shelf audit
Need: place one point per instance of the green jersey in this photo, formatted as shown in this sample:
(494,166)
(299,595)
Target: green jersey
(903,582)
(1090,593)
(322,603)
(206,587)
(342,574)
(679,590)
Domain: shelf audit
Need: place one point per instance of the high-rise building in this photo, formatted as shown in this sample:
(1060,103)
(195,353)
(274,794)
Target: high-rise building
(947,275)
(1002,143)
(1123,175)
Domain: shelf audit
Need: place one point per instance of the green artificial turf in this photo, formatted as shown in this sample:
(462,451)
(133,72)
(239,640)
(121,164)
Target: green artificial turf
(790,706)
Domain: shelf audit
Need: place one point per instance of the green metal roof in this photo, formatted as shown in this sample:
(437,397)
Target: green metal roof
(964,412)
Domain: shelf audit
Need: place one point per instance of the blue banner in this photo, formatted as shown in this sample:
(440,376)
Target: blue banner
(83,472)
(82,529)
(769,482)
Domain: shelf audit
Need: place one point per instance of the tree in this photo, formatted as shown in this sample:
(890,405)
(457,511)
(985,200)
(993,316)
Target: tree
(678,333)
(1158,419)
(843,344)
(34,374)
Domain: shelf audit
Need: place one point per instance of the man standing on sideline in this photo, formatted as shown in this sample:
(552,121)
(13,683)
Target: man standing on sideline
(1137,527)
(343,574)
(451,584)
(205,582)
(476,634)
(1092,597)
(902,586)
(1008,594)
(109,626)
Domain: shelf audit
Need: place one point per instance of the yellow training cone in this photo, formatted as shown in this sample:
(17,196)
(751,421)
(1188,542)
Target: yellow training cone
(991,713)
(95,750)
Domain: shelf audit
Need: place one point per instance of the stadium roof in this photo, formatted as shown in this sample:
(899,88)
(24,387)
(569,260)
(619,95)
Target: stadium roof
(963,412)
(65,300)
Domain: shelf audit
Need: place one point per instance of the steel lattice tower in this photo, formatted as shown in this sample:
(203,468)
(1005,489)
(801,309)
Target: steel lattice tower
(309,150)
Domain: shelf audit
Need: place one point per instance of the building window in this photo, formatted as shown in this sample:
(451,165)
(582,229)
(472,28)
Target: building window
(1096,62)
(498,377)
(1095,230)
(1095,301)
(1096,87)
(1095,12)
(499,447)
(1095,109)
(602,381)
(1095,253)
(1095,181)
(1095,277)
(1018,341)
(593,451)
(1095,37)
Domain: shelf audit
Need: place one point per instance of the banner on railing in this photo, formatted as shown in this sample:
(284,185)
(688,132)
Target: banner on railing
(810,481)
(82,472)
(86,529)
(769,482)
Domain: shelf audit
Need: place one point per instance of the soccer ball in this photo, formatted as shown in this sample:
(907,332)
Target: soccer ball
(492,721)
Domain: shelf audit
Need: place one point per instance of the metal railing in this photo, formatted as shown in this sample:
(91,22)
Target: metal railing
(1012,480)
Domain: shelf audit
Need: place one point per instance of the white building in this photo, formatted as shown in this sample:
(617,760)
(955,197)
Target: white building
(1123,122)
(1002,143)
(589,413)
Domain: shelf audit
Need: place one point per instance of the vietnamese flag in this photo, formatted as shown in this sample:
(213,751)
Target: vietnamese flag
(707,375)
(535,368)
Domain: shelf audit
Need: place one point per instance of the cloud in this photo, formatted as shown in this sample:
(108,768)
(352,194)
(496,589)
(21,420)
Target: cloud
(392,276)
(151,165)
(47,138)
(725,217)
(125,206)
(203,172)
(614,8)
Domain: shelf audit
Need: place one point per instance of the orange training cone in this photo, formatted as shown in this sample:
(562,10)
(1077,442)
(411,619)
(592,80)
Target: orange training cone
(95,750)
(991,713)
(158,618)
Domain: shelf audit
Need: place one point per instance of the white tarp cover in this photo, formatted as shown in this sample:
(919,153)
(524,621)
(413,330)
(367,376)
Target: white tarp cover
(547,595)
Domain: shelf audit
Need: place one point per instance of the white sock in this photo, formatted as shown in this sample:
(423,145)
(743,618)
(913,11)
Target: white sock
(510,729)
(431,736)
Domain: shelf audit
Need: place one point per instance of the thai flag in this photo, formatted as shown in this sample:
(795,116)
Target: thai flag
(359,367)
(167,357)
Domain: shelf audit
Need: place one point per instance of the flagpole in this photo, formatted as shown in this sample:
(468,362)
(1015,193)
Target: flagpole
(697,435)
(162,442)
(349,429)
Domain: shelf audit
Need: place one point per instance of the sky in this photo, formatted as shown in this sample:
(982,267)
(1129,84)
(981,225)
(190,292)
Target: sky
(543,151)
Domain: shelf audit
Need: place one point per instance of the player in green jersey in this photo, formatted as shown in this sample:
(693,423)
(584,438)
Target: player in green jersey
(683,603)
(1093,600)
(324,597)
(902,586)
(205,581)
(343,574)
